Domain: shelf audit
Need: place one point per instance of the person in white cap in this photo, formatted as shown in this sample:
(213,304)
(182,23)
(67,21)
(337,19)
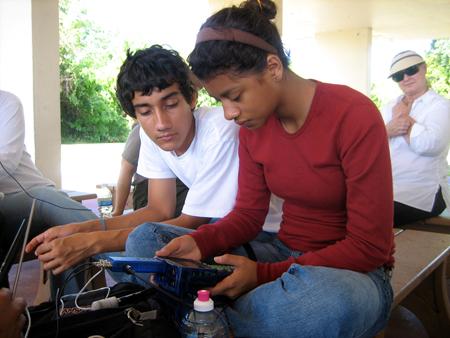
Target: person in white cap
(418,126)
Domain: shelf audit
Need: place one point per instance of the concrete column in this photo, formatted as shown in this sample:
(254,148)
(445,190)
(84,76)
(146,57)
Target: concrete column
(47,114)
(29,68)
(344,57)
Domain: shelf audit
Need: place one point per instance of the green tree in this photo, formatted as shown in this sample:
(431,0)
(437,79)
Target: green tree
(375,97)
(204,100)
(89,110)
(438,69)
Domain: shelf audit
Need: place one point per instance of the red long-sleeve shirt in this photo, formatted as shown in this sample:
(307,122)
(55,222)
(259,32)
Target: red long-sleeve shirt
(334,175)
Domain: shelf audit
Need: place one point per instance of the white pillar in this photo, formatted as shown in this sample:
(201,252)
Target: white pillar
(344,57)
(29,67)
(47,113)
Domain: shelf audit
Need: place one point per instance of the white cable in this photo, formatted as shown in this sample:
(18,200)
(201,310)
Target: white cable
(107,303)
(84,287)
(61,309)
(29,321)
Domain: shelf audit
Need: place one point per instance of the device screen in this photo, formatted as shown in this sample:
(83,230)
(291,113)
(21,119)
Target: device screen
(189,263)
(221,267)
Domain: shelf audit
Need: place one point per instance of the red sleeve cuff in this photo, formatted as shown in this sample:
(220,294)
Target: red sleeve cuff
(267,272)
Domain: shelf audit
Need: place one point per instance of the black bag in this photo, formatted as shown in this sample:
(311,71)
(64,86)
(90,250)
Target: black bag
(142,313)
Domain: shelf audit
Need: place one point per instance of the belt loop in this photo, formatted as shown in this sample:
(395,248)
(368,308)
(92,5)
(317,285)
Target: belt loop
(388,270)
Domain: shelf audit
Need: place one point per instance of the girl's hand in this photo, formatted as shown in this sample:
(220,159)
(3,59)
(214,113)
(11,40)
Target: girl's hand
(242,280)
(181,247)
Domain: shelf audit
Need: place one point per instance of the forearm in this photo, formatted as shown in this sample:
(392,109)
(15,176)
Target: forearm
(127,171)
(143,215)
(186,221)
(108,241)
(122,192)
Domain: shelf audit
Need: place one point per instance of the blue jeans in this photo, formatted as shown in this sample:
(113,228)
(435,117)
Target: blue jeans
(16,206)
(306,301)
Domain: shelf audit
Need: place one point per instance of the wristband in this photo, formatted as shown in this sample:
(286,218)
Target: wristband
(103,223)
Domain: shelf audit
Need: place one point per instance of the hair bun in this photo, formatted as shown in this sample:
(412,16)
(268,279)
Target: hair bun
(265,7)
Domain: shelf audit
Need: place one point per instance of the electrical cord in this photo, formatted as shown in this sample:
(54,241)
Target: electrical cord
(38,199)
(84,287)
(29,322)
(75,272)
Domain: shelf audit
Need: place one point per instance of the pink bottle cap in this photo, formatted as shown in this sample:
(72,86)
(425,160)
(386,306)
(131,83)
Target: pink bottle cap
(203,295)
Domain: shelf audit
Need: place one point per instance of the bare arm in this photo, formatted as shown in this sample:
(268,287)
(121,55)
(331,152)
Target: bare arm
(60,252)
(127,170)
(161,208)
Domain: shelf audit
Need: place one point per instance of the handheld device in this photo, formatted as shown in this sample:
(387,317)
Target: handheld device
(182,277)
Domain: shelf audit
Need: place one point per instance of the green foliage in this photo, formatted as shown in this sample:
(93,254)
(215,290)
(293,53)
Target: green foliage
(90,112)
(204,100)
(375,97)
(438,66)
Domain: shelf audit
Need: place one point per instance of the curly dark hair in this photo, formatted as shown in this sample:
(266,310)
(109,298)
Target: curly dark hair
(211,58)
(150,68)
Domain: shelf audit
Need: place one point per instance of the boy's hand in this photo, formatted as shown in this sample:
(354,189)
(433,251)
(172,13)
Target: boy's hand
(60,254)
(50,234)
(242,280)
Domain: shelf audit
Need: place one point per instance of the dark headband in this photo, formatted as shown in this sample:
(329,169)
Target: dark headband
(231,34)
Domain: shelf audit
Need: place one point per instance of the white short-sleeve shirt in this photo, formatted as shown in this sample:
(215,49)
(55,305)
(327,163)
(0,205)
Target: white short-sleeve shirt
(209,167)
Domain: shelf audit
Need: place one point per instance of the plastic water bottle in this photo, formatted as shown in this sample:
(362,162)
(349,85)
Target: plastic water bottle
(104,200)
(203,321)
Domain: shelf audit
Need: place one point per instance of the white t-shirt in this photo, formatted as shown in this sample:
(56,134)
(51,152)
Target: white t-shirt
(420,167)
(209,168)
(13,153)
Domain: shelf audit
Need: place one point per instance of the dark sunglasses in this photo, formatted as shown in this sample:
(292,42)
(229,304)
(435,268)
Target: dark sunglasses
(397,77)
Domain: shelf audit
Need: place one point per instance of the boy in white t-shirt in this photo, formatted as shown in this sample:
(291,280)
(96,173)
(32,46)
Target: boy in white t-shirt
(196,145)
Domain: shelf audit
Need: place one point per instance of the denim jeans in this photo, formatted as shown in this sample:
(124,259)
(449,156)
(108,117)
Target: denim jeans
(306,301)
(16,206)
